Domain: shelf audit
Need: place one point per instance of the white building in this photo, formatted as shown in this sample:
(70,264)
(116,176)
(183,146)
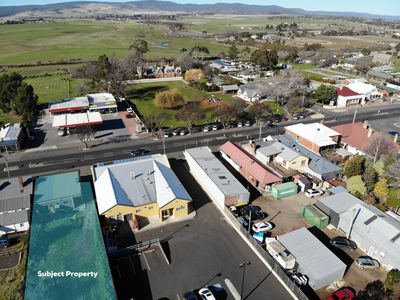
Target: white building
(357,93)
(250,93)
(219,184)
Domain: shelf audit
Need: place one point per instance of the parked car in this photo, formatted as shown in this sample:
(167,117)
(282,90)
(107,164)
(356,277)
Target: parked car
(343,294)
(284,119)
(129,110)
(206,128)
(4,242)
(191,295)
(246,209)
(234,210)
(296,117)
(138,152)
(61,132)
(302,116)
(184,132)
(298,278)
(176,131)
(240,124)
(277,118)
(393,133)
(129,116)
(167,134)
(206,294)
(366,262)
(262,226)
(256,214)
(313,192)
(216,127)
(231,124)
(247,123)
(343,243)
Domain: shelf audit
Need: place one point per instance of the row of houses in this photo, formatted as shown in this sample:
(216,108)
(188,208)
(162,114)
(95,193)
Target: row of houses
(166,71)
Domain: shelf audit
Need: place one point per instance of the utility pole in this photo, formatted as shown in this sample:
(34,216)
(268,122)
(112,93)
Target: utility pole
(355,114)
(248,229)
(6,161)
(243,266)
(259,135)
(163,141)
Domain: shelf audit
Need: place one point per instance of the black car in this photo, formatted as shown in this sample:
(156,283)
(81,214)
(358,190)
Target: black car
(256,213)
(138,152)
(343,243)
(277,119)
(190,296)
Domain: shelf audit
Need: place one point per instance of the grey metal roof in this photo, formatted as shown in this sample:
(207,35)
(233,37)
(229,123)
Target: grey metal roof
(278,148)
(12,196)
(379,74)
(232,87)
(317,163)
(337,190)
(14,218)
(315,259)
(9,135)
(223,179)
(340,202)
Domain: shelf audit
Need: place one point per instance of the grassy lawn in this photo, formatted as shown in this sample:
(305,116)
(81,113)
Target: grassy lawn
(8,118)
(142,95)
(54,87)
(275,108)
(303,66)
(87,40)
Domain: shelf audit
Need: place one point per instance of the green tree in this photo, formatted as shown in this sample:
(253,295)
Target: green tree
(25,103)
(381,189)
(292,54)
(197,51)
(139,44)
(103,66)
(370,177)
(356,186)
(9,84)
(392,279)
(354,166)
(266,58)
(325,93)
(374,291)
(233,52)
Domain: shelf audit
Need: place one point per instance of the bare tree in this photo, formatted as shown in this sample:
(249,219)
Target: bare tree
(225,114)
(190,113)
(259,111)
(392,172)
(379,145)
(85,134)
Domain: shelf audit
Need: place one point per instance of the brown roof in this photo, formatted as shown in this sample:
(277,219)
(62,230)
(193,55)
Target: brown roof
(356,135)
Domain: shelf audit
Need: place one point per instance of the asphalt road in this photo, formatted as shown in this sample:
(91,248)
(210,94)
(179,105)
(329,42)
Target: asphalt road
(204,251)
(31,163)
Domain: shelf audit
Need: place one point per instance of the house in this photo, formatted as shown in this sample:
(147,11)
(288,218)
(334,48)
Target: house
(309,252)
(394,85)
(249,167)
(378,75)
(67,240)
(356,137)
(215,179)
(319,168)
(227,89)
(158,72)
(337,203)
(384,59)
(139,188)
(355,93)
(276,152)
(11,136)
(271,37)
(248,75)
(15,204)
(250,93)
(374,231)
(219,64)
(314,136)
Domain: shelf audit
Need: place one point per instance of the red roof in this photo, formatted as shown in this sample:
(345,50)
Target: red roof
(346,92)
(356,135)
(249,164)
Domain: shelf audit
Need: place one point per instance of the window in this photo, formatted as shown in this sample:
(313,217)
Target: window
(22,225)
(284,163)
(303,163)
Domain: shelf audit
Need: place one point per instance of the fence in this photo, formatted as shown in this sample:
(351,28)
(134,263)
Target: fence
(270,260)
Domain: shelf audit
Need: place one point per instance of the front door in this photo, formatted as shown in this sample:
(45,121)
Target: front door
(165,214)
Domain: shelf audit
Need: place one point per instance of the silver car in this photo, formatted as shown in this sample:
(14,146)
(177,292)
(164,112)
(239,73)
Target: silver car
(366,262)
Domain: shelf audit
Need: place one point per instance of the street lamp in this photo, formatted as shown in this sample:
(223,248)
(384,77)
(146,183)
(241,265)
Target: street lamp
(243,266)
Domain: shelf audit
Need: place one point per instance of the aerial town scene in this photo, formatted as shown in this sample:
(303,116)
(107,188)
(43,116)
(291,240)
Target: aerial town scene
(199,150)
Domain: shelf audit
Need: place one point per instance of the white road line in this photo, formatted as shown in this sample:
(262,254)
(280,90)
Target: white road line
(232,289)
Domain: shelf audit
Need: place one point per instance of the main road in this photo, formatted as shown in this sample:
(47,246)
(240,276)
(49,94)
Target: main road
(31,163)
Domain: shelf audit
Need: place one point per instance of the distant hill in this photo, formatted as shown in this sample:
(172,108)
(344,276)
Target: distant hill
(91,8)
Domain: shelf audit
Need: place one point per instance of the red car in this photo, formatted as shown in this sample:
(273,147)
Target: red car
(343,294)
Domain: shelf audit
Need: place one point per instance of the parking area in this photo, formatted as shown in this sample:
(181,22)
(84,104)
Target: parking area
(202,251)
(284,213)
(385,125)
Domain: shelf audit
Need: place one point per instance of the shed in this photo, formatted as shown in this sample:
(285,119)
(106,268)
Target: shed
(309,253)
(336,204)
(284,190)
(315,216)
(304,183)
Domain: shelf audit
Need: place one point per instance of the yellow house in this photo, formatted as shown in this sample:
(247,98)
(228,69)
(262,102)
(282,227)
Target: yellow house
(140,187)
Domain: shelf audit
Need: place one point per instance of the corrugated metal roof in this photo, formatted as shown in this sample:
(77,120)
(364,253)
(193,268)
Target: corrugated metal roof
(249,163)
(339,202)
(315,259)
(216,171)
(14,218)
(12,196)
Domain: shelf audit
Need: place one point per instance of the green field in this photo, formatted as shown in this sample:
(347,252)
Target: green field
(142,95)
(31,43)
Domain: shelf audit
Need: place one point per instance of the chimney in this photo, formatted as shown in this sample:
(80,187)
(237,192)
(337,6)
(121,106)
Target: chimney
(370,132)
(20,182)
(322,121)
(365,124)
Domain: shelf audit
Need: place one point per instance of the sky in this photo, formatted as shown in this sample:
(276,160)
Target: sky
(382,7)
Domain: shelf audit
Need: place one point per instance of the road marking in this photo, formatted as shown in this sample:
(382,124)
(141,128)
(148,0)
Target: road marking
(397,124)
(232,289)
(108,154)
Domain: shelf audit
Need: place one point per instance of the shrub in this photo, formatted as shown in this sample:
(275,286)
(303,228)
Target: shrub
(169,99)
(392,279)
(194,75)
(356,186)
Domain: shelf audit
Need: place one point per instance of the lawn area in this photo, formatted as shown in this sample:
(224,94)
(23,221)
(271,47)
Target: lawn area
(303,66)
(85,40)
(54,87)
(275,108)
(142,95)
(8,118)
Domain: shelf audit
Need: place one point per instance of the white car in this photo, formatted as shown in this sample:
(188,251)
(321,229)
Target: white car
(206,294)
(313,192)
(262,226)
(240,124)
(206,129)
(129,110)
